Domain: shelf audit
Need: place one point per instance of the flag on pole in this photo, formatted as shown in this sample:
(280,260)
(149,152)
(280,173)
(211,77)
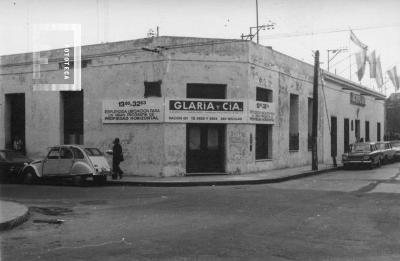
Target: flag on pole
(394,78)
(361,59)
(355,40)
(378,70)
(372,64)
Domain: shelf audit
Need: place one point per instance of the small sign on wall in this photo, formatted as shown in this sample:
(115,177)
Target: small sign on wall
(261,112)
(133,110)
(357,99)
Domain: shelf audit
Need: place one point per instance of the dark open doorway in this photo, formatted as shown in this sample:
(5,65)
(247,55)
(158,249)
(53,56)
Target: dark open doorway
(73,117)
(346,132)
(205,143)
(15,121)
(357,130)
(205,148)
(334,139)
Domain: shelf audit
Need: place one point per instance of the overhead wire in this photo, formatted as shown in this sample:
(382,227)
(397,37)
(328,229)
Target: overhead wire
(312,33)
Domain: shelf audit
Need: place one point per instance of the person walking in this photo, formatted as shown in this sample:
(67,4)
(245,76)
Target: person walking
(117,158)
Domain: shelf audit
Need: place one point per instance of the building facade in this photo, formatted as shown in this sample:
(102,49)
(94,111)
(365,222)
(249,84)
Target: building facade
(392,117)
(187,105)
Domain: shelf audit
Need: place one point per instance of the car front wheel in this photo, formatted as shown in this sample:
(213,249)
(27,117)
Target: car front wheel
(79,180)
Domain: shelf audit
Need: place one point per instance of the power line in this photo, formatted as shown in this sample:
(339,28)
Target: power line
(344,59)
(299,34)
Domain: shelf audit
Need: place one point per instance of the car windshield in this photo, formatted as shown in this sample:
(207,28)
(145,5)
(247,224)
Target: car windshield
(12,155)
(360,147)
(380,146)
(93,152)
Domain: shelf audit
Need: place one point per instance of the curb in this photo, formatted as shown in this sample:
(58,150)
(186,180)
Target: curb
(9,224)
(219,182)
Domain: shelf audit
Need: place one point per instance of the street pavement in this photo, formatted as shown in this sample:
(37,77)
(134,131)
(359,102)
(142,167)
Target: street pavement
(340,215)
(380,180)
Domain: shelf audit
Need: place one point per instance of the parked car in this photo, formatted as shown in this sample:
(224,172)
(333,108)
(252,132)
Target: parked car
(362,153)
(69,161)
(11,163)
(396,147)
(388,153)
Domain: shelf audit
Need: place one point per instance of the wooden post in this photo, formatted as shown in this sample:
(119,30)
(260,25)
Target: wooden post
(315,114)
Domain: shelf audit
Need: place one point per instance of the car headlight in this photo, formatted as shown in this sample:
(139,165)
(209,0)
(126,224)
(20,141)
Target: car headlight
(366,157)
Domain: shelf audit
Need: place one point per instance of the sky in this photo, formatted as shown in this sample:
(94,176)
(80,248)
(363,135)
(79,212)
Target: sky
(301,26)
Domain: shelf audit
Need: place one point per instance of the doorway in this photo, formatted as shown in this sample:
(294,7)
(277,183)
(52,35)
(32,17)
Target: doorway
(357,130)
(366,130)
(15,120)
(73,116)
(333,136)
(205,148)
(346,135)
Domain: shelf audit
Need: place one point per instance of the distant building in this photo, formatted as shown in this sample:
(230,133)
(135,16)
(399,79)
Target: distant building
(392,114)
(188,105)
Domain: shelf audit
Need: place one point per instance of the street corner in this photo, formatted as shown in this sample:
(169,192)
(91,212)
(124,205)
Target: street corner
(12,214)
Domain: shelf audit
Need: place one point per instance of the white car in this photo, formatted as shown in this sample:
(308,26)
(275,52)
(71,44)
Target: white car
(68,161)
(396,147)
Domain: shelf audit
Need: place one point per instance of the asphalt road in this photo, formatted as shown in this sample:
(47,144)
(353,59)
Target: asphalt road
(342,215)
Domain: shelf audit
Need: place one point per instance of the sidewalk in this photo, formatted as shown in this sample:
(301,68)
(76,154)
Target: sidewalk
(12,214)
(270,176)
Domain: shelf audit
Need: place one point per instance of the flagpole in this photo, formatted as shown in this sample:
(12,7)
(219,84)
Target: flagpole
(349,59)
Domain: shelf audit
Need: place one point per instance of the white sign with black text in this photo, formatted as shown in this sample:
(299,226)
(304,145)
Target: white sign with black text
(261,112)
(205,110)
(133,110)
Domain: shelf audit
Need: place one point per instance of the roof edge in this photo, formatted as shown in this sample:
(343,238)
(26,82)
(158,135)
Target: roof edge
(352,85)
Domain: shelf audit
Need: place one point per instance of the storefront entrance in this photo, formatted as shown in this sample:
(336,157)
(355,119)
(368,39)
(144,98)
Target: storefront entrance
(15,121)
(205,148)
(73,116)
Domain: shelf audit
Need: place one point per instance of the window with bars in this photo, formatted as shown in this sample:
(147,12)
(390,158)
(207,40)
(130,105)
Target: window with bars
(264,95)
(294,122)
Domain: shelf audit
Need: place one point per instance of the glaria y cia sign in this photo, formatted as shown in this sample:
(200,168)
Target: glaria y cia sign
(208,111)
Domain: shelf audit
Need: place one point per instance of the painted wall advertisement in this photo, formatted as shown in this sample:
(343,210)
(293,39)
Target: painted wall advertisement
(261,112)
(133,110)
(155,110)
(205,110)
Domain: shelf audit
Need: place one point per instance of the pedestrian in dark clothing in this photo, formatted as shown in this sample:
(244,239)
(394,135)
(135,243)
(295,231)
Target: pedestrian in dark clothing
(117,158)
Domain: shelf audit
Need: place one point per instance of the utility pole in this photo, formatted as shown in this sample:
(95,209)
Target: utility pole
(250,36)
(315,114)
(257,20)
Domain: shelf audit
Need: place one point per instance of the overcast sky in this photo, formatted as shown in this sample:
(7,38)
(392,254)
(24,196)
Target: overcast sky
(301,25)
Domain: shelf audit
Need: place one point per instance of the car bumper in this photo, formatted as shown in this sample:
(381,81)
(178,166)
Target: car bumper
(102,173)
(357,161)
